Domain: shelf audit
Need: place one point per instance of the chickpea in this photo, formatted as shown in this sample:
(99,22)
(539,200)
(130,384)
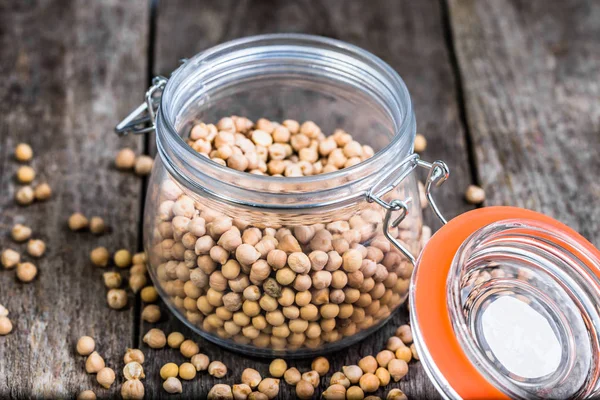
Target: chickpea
(304,390)
(405,334)
(105,377)
(383,375)
(24,196)
(97,226)
(189,348)
(86,395)
(23,152)
(85,345)
(132,355)
(20,233)
(320,365)
(292,376)
(116,298)
(200,361)
(397,368)
(155,338)
(172,385)
(384,357)
(335,392)
(420,143)
(251,377)
(125,159)
(355,393)
(94,363)
(100,256)
(143,165)
(132,389)
(26,272)
(42,192)
(353,373)
(36,248)
(220,392)
(78,222)
(133,370)
(368,364)
(149,294)
(187,371)
(312,377)
(217,369)
(10,258)
(151,313)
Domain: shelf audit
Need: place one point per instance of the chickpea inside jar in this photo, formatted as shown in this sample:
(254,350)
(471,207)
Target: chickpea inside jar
(272,223)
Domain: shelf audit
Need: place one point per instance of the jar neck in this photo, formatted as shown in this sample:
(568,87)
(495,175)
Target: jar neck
(522,297)
(209,75)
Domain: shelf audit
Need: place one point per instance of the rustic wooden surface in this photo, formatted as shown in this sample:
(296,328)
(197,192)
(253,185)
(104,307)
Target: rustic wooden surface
(505,91)
(67,73)
(530,72)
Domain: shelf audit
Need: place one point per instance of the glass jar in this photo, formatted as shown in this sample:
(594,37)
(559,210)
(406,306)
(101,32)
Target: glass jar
(504,305)
(341,278)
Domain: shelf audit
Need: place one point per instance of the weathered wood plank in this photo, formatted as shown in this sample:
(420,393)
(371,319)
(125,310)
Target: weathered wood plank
(410,37)
(68,72)
(530,71)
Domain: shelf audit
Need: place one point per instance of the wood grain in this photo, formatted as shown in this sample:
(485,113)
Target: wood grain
(410,37)
(68,72)
(530,71)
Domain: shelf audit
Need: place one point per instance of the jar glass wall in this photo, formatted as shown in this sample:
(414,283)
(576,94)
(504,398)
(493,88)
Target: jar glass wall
(274,265)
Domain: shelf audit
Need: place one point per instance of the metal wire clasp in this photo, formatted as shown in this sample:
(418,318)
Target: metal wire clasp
(438,174)
(141,120)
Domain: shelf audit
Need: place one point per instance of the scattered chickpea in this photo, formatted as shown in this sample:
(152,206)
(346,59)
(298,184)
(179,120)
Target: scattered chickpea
(404,333)
(116,298)
(474,195)
(169,370)
(396,394)
(217,369)
(94,363)
(105,377)
(383,375)
(200,361)
(23,152)
(251,377)
(85,345)
(122,258)
(25,174)
(143,165)
(125,159)
(384,357)
(25,196)
(133,355)
(97,226)
(277,367)
(368,364)
(155,338)
(36,248)
(112,280)
(10,258)
(241,391)
(78,222)
(420,143)
(304,390)
(138,258)
(137,282)
(338,378)
(26,272)
(397,368)
(353,373)
(369,383)
(175,339)
(149,294)
(335,392)
(151,313)
(270,387)
(132,389)
(321,365)
(86,395)
(355,393)
(189,348)
(133,370)
(172,385)
(312,377)
(3,311)
(42,192)
(187,371)
(292,376)
(20,233)
(404,353)
(220,391)
(100,256)
(5,325)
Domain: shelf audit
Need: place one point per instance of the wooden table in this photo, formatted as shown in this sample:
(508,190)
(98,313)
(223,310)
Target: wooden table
(506,91)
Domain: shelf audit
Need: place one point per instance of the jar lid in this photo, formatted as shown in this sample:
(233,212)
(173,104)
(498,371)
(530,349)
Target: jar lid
(504,302)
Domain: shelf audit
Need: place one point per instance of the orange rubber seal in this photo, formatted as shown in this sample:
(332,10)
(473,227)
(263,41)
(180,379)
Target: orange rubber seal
(430,295)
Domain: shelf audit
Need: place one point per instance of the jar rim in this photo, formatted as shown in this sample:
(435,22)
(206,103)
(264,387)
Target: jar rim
(179,156)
